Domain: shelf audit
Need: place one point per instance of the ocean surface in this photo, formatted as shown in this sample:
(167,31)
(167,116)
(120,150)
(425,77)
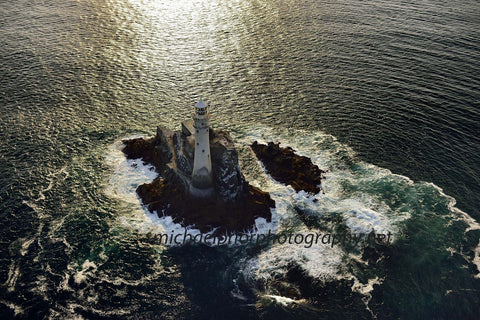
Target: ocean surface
(385,95)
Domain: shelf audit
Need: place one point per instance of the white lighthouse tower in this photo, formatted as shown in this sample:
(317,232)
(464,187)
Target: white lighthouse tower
(202,164)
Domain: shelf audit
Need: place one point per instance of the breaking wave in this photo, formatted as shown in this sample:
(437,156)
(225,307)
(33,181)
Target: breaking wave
(359,197)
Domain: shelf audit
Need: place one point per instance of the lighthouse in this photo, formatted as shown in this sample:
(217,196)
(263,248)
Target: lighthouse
(202,164)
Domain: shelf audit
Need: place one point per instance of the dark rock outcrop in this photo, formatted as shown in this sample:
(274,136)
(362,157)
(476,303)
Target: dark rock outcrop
(228,180)
(235,204)
(168,198)
(287,167)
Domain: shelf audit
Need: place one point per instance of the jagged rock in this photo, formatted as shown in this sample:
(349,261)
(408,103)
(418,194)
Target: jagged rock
(170,199)
(184,161)
(235,204)
(287,167)
(228,180)
(163,153)
(139,148)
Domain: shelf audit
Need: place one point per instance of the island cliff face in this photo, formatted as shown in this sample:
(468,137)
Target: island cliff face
(233,206)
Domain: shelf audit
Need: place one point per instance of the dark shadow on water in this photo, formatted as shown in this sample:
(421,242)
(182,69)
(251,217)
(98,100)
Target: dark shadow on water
(213,281)
(209,276)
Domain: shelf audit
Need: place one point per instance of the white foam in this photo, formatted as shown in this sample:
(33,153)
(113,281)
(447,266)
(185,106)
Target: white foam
(281,300)
(461,215)
(170,227)
(88,268)
(361,219)
(360,209)
(366,290)
(472,223)
(319,261)
(51,177)
(127,175)
(17,310)
(13,274)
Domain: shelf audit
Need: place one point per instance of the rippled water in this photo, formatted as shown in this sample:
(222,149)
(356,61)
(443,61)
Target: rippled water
(385,95)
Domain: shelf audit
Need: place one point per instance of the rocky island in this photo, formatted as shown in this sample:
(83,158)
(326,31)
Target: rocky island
(200,183)
(287,167)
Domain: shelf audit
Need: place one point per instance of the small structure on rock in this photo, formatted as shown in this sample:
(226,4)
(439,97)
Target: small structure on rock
(200,183)
(202,164)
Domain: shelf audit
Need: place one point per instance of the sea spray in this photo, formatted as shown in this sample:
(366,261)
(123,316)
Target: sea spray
(359,197)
